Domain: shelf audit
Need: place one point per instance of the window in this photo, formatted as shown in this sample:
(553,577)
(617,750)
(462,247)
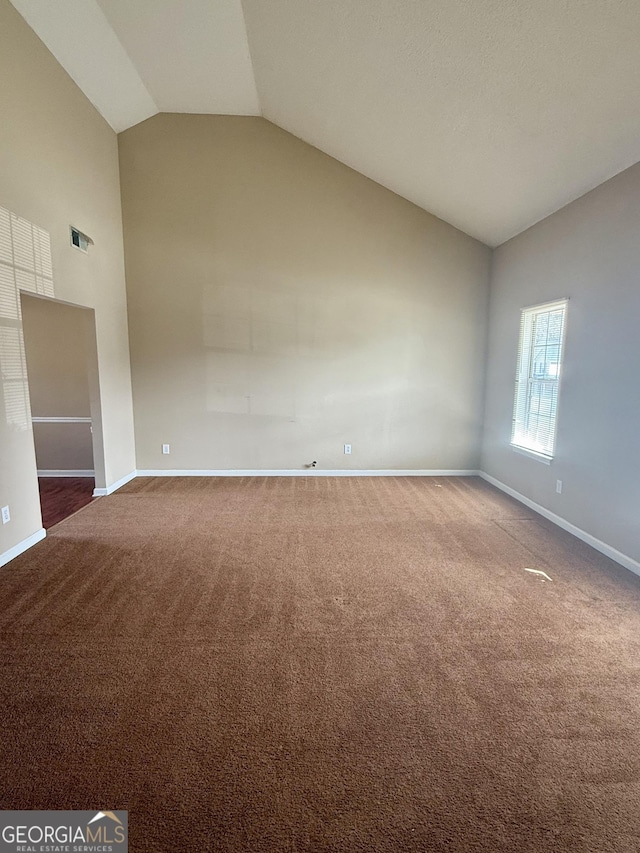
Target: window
(25,264)
(538,377)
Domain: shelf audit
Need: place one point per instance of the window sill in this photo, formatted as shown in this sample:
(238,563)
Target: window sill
(533,454)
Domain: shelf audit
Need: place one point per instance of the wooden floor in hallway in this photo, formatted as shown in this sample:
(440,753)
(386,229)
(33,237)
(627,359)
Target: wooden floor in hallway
(60,497)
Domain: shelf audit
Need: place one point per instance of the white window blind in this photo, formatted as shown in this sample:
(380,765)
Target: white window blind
(538,377)
(25,264)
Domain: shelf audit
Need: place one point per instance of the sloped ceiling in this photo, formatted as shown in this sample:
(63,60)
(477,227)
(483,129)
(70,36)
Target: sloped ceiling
(489,113)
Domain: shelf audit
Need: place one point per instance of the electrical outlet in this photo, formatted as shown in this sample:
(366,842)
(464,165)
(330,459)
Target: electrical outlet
(347,449)
(6,515)
(166,448)
(559,486)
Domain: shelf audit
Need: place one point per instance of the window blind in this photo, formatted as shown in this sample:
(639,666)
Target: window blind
(540,349)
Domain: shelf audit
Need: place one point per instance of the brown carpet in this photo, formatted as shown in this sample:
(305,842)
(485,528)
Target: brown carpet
(324,664)
(60,497)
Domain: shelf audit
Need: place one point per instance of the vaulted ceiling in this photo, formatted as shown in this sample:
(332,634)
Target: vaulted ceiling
(490,114)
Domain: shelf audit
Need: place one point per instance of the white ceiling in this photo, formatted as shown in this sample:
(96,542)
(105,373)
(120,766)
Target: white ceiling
(76,32)
(192,56)
(489,113)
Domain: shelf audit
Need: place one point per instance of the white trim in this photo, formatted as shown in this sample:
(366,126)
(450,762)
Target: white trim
(66,472)
(61,420)
(525,378)
(307,472)
(99,493)
(23,546)
(533,454)
(607,550)
(548,306)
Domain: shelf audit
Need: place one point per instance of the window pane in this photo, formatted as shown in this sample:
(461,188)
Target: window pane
(541,328)
(555,326)
(536,397)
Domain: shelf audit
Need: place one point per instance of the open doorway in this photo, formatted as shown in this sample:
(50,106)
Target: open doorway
(59,341)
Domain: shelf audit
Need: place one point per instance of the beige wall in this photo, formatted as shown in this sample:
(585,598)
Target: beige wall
(590,252)
(59,166)
(57,366)
(281,305)
(63,447)
(56,350)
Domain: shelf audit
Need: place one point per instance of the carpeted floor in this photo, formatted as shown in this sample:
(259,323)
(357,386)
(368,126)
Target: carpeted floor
(324,664)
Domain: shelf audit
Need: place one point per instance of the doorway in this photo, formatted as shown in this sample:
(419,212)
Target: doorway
(60,353)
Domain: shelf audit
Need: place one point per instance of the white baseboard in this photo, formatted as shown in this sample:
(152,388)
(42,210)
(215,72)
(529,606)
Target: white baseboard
(23,546)
(62,420)
(66,472)
(607,550)
(307,472)
(99,493)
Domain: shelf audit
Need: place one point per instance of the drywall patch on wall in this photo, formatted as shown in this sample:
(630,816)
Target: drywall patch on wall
(298,354)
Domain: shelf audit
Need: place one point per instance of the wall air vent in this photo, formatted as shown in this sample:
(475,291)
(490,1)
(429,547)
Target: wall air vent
(79,240)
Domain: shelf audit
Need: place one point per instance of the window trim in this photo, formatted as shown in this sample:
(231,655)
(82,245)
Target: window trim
(532,454)
(522,376)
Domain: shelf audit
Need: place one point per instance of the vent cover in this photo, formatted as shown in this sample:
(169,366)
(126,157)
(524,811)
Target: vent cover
(79,240)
